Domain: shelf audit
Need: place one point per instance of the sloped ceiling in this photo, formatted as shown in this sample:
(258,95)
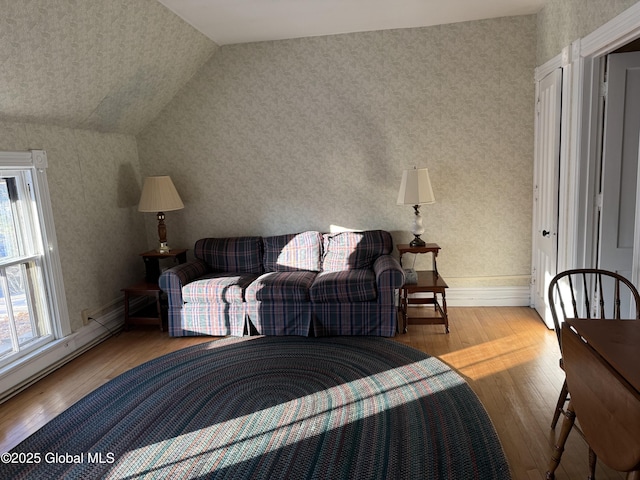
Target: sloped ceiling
(105,65)
(241,21)
(112,65)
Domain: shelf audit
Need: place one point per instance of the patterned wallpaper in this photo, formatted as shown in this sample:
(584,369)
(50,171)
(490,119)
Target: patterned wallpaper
(562,21)
(95,186)
(278,137)
(102,65)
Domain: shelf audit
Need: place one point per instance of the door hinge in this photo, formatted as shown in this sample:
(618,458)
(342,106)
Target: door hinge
(604,89)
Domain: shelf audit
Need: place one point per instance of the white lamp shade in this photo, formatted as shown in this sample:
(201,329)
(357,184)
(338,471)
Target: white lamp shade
(415,188)
(159,195)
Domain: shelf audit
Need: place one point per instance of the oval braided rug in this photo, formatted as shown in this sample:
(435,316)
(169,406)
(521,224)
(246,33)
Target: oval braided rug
(274,408)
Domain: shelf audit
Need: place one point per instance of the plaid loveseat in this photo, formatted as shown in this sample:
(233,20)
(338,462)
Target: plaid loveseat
(296,284)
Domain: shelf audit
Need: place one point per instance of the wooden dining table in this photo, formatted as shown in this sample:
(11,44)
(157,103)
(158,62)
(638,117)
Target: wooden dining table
(602,364)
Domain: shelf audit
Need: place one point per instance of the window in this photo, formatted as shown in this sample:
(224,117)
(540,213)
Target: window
(30,280)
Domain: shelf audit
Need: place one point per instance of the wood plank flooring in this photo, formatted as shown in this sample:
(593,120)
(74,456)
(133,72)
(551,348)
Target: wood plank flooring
(507,355)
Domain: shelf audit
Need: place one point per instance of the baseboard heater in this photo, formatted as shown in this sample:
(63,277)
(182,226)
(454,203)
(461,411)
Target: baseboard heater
(103,322)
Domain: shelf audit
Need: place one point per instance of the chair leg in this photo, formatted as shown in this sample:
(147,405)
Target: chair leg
(593,459)
(564,393)
(567,425)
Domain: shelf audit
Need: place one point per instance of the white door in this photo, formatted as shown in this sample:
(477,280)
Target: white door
(620,165)
(545,201)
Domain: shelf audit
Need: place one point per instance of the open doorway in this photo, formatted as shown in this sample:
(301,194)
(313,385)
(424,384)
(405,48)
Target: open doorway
(582,180)
(607,145)
(618,166)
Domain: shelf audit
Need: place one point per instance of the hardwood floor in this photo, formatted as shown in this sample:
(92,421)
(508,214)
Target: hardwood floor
(507,355)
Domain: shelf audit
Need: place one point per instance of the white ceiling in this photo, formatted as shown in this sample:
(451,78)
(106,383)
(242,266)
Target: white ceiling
(240,21)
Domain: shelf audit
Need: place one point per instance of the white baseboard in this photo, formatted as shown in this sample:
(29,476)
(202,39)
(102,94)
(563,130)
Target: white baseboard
(31,368)
(486,296)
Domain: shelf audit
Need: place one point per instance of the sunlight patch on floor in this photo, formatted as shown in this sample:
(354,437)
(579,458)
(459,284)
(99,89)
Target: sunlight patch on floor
(491,357)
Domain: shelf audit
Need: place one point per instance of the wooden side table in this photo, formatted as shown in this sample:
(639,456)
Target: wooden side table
(152,261)
(428,281)
(151,314)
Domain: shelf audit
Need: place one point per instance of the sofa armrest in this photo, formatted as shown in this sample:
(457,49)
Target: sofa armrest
(173,279)
(389,273)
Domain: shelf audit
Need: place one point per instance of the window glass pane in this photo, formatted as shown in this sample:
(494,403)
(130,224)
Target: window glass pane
(6,345)
(25,327)
(8,234)
(24,313)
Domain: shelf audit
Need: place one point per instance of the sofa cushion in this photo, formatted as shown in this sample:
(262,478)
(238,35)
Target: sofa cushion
(354,250)
(222,287)
(238,254)
(291,252)
(280,286)
(355,285)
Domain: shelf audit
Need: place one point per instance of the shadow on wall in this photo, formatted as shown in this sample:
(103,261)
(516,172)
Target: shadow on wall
(128,187)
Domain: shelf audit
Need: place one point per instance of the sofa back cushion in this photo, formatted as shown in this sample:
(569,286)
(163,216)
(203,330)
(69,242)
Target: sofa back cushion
(236,254)
(293,252)
(354,250)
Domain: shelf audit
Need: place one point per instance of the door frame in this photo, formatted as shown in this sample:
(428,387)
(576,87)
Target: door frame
(540,166)
(584,60)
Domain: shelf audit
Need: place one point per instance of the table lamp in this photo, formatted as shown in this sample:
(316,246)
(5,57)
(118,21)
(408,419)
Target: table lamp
(415,189)
(160,195)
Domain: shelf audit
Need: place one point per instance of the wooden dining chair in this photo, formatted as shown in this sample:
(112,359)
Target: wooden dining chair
(586,293)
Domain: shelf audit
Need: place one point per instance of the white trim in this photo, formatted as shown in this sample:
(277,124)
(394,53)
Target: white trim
(36,160)
(485,296)
(586,117)
(16,159)
(548,67)
(53,268)
(615,33)
(569,181)
(31,368)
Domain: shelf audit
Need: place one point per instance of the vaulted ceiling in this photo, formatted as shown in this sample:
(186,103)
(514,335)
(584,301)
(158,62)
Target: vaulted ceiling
(240,21)
(106,65)
(113,65)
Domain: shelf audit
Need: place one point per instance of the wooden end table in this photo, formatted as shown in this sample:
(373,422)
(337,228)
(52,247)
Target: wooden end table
(152,261)
(428,281)
(151,314)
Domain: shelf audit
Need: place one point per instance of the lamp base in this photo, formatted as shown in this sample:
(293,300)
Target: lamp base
(417,242)
(163,248)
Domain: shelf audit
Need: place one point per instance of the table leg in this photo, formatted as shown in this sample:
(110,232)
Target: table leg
(445,314)
(405,304)
(567,425)
(593,459)
(126,310)
(159,309)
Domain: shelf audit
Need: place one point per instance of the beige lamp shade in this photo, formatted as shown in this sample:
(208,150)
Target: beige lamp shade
(415,188)
(159,195)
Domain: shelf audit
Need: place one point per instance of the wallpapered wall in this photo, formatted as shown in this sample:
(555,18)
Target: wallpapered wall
(278,137)
(562,21)
(103,66)
(95,186)
(282,136)
(95,64)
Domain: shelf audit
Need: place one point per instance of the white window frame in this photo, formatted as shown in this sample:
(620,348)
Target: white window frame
(35,161)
